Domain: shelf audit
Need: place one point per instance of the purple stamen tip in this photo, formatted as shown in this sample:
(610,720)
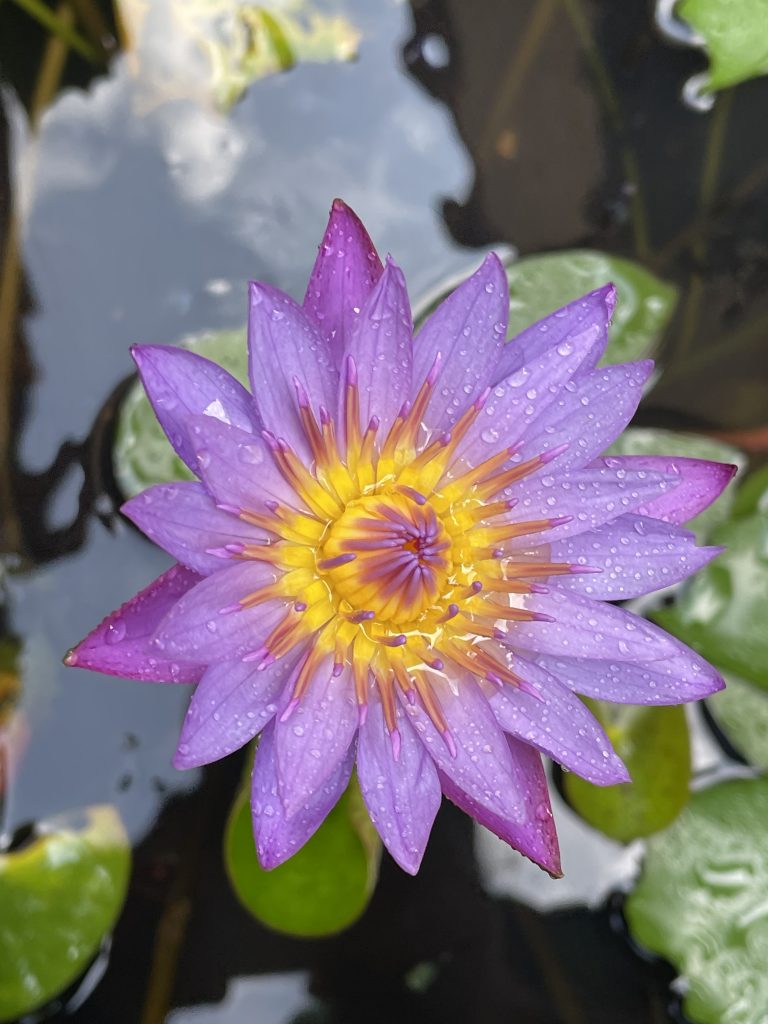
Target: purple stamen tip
(232,509)
(553,453)
(292,705)
(283,445)
(410,696)
(560,520)
(496,680)
(414,495)
(396,741)
(271,440)
(228,609)
(482,399)
(538,588)
(338,668)
(235,548)
(512,502)
(499,634)
(325,416)
(265,662)
(530,690)
(405,408)
(334,563)
(437,664)
(300,606)
(581,570)
(497,553)
(446,439)
(272,505)
(362,714)
(373,424)
(301,395)
(255,655)
(450,743)
(218,552)
(542,617)
(432,375)
(476,587)
(451,611)
(396,641)
(351,372)
(363,616)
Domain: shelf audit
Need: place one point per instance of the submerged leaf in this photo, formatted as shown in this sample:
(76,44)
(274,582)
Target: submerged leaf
(653,743)
(60,895)
(700,902)
(741,712)
(324,887)
(142,455)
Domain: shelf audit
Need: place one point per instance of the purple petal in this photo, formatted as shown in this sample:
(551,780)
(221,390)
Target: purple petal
(202,624)
(534,834)
(285,346)
(591,497)
(381,347)
(313,741)
(701,482)
(185,522)
(558,725)
(346,269)
(402,796)
(120,645)
(278,837)
(519,399)
(588,414)
(584,322)
(237,468)
(636,555)
(468,330)
(232,703)
(677,679)
(182,384)
(583,628)
(481,764)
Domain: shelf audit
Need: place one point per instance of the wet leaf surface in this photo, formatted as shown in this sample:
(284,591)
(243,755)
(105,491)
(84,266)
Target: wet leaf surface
(324,887)
(142,455)
(741,712)
(540,284)
(734,34)
(653,743)
(700,902)
(60,895)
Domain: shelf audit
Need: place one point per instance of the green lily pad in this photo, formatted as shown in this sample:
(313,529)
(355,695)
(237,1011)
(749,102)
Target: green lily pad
(741,712)
(60,895)
(653,742)
(735,36)
(722,611)
(649,441)
(321,889)
(142,455)
(540,284)
(701,902)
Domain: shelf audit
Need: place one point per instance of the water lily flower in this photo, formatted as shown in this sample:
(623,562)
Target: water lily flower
(402,553)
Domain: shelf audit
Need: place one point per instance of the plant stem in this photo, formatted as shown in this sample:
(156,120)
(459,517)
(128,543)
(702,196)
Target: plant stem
(62,28)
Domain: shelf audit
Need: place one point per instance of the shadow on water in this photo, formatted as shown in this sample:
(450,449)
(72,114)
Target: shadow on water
(538,124)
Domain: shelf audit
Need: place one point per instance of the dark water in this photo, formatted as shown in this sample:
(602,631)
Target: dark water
(538,124)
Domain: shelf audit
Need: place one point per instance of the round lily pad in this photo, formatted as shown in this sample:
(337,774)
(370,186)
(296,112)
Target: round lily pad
(741,713)
(142,455)
(701,902)
(735,36)
(538,285)
(653,743)
(59,896)
(321,889)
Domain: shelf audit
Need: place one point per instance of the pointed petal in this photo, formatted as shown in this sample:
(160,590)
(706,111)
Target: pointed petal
(591,497)
(313,741)
(558,725)
(482,766)
(120,646)
(237,468)
(534,833)
(202,624)
(468,330)
(584,322)
(345,271)
(516,401)
(284,346)
(588,415)
(181,384)
(701,482)
(232,703)
(636,555)
(278,837)
(583,628)
(677,679)
(183,519)
(381,346)
(402,796)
